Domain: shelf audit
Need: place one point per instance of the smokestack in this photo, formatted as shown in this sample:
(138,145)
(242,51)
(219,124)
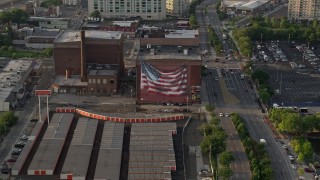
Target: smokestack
(83,57)
(68,73)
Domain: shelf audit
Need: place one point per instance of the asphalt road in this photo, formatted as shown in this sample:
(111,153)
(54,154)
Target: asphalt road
(235,95)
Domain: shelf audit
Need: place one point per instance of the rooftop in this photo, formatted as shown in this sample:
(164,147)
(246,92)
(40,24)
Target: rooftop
(74,80)
(170,52)
(79,153)
(12,76)
(109,159)
(51,145)
(151,151)
(252,4)
(181,33)
(103,69)
(74,36)
(48,19)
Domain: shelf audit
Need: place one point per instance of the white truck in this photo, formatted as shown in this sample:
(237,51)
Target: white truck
(263,141)
(224,36)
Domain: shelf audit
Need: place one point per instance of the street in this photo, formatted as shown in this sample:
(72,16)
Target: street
(229,93)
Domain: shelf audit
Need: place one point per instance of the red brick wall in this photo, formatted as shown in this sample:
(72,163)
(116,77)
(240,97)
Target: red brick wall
(67,58)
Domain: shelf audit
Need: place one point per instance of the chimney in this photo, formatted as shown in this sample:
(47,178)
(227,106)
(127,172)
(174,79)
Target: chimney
(68,73)
(83,57)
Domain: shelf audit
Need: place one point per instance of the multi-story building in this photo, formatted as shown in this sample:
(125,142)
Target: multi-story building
(176,7)
(146,9)
(304,9)
(88,62)
(169,67)
(70,2)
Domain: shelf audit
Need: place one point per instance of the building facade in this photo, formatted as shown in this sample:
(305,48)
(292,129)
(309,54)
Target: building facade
(146,9)
(88,62)
(70,2)
(169,68)
(304,9)
(176,7)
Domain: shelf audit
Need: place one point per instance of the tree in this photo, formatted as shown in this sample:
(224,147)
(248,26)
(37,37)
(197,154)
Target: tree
(5,17)
(226,158)
(19,16)
(209,107)
(314,24)
(300,171)
(48,52)
(283,23)
(225,172)
(274,22)
(267,21)
(95,14)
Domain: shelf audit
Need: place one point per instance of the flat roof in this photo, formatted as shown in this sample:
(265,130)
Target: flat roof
(50,147)
(252,4)
(74,36)
(181,33)
(79,153)
(152,153)
(109,159)
(74,80)
(12,77)
(34,18)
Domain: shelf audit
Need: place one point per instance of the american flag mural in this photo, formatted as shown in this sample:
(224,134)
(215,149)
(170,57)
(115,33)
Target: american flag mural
(173,83)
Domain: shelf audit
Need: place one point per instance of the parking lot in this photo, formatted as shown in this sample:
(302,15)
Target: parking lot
(294,71)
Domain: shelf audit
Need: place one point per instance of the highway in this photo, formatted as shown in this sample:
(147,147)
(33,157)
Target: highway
(231,94)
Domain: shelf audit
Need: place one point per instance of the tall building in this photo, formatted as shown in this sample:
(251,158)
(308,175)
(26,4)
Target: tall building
(70,2)
(146,9)
(304,9)
(176,7)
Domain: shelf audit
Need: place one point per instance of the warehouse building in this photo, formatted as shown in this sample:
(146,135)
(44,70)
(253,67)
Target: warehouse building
(109,159)
(88,62)
(46,158)
(169,67)
(77,161)
(152,153)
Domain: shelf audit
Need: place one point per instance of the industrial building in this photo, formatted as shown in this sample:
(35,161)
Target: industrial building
(244,7)
(109,159)
(77,161)
(88,61)
(151,9)
(12,78)
(169,67)
(46,158)
(151,149)
(304,9)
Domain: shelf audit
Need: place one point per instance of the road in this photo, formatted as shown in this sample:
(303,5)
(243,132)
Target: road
(235,95)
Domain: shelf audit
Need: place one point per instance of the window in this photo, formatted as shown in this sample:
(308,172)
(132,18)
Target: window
(112,81)
(90,81)
(104,81)
(93,81)
(98,81)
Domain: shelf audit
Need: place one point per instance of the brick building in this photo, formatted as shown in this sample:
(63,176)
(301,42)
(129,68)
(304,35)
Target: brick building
(169,68)
(88,62)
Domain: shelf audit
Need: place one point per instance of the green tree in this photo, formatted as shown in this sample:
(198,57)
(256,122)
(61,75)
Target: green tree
(267,21)
(5,17)
(19,16)
(314,24)
(260,76)
(307,151)
(48,52)
(226,158)
(274,22)
(209,107)
(264,95)
(95,14)
(300,171)
(225,172)
(283,23)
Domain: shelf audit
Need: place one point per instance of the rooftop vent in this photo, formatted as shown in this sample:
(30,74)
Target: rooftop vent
(148,46)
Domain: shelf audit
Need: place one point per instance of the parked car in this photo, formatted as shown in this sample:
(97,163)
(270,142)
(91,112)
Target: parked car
(14,153)
(226,114)
(220,114)
(291,157)
(11,160)
(309,170)
(294,166)
(24,137)
(34,120)
(285,147)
